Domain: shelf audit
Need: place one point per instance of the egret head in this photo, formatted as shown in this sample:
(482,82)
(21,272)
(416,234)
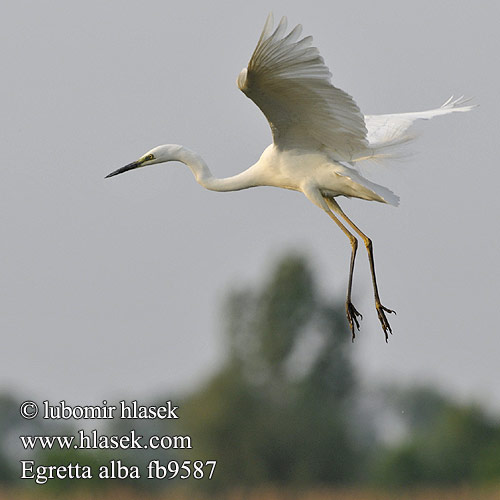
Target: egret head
(160,154)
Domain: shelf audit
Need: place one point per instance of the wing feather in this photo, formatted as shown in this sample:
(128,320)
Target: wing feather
(289,81)
(391,130)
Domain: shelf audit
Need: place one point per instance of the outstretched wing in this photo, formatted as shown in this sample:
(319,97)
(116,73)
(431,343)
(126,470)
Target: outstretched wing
(391,130)
(290,83)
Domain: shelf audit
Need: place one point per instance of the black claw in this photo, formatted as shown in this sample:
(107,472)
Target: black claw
(381,310)
(352,317)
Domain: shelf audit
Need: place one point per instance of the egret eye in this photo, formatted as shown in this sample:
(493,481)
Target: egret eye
(149,158)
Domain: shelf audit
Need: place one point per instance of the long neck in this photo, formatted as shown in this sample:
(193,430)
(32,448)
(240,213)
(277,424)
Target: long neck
(205,178)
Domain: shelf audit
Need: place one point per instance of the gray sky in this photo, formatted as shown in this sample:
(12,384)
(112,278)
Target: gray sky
(114,287)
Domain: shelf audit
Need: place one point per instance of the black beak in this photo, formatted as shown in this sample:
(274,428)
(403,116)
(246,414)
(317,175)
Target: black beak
(130,166)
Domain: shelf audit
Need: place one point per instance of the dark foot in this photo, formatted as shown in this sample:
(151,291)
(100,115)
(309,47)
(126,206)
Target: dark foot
(352,317)
(381,310)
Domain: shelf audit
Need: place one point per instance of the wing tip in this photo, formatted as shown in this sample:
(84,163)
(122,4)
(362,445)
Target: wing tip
(459,104)
(268,27)
(391,199)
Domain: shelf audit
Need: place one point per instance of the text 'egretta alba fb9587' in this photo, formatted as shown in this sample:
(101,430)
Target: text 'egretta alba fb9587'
(319,134)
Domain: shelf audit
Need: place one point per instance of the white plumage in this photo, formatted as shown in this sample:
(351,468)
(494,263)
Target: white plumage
(289,81)
(319,134)
(390,130)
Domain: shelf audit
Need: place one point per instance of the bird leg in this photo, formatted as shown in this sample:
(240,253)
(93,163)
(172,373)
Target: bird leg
(351,312)
(381,310)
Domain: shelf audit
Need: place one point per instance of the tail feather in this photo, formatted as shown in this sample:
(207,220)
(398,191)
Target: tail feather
(357,186)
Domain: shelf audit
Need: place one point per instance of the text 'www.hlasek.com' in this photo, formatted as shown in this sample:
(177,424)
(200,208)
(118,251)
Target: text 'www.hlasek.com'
(84,439)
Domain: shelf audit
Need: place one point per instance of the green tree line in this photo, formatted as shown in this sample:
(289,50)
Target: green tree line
(285,407)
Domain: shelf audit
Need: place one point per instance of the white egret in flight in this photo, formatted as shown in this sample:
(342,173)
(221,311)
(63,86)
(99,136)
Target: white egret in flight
(319,135)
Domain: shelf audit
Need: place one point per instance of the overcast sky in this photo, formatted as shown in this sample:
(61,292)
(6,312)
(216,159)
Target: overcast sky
(113,287)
